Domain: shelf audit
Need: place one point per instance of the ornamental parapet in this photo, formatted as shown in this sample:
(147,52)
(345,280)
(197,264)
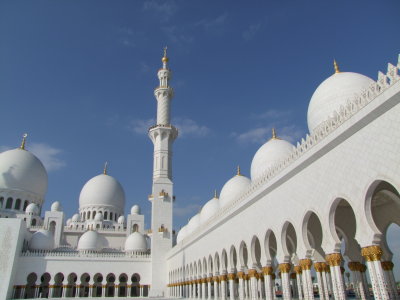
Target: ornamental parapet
(372,253)
(334,259)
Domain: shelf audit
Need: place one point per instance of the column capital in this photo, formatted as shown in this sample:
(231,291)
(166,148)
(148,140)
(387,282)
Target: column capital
(222,277)
(267,270)
(297,269)
(305,264)
(231,276)
(333,259)
(319,266)
(354,266)
(241,275)
(285,267)
(363,268)
(387,265)
(252,273)
(372,253)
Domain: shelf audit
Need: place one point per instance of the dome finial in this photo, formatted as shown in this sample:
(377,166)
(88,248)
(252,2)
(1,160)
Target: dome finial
(335,65)
(105,168)
(238,171)
(165,58)
(273,133)
(23,141)
(215,194)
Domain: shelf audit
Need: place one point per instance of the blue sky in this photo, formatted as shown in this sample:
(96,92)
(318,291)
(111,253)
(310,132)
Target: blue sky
(78,76)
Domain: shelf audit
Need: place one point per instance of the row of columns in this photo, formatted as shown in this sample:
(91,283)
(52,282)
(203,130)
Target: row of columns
(260,284)
(63,291)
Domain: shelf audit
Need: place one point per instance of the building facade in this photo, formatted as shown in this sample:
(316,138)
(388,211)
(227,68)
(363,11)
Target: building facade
(306,211)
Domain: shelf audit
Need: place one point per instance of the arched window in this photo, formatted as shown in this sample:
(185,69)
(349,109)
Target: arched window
(33,222)
(88,215)
(25,204)
(135,228)
(93,214)
(9,203)
(115,217)
(52,226)
(105,215)
(1,202)
(111,216)
(17,204)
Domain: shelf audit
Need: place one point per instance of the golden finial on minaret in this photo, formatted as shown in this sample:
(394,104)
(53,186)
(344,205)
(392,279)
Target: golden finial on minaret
(105,168)
(335,65)
(165,58)
(23,141)
(274,134)
(215,194)
(238,171)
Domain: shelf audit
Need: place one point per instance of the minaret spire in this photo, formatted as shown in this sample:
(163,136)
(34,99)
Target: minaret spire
(25,135)
(105,168)
(335,65)
(165,59)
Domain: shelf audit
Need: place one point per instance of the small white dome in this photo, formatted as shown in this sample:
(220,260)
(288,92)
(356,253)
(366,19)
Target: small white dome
(92,241)
(56,206)
(42,240)
(233,188)
(193,224)
(121,220)
(98,217)
(21,170)
(333,93)
(68,222)
(135,210)
(76,218)
(32,209)
(209,209)
(102,190)
(272,152)
(181,234)
(135,242)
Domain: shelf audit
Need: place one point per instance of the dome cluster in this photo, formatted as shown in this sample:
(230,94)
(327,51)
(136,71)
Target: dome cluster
(328,98)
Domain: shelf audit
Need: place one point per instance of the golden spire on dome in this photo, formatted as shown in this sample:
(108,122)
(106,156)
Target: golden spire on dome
(274,136)
(335,65)
(105,168)
(25,135)
(165,58)
(238,171)
(215,194)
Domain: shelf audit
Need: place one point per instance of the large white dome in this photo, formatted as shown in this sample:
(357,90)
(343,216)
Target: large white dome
(193,224)
(136,242)
(269,154)
(42,240)
(209,209)
(92,241)
(333,93)
(233,188)
(21,170)
(181,234)
(102,190)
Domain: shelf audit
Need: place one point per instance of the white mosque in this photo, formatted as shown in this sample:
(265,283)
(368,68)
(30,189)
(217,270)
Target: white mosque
(308,211)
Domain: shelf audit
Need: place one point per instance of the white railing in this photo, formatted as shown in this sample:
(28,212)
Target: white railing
(87,254)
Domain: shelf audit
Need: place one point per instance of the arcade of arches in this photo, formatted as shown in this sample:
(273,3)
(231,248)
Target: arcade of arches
(252,271)
(73,286)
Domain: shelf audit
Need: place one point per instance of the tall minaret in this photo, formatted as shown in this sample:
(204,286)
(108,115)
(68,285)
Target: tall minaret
(162,135)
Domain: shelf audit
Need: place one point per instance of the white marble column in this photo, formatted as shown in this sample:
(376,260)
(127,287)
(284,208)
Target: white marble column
(284,268)
(299,285)
(387,267)
(231,280)
(209,287)
(241,276)
(306,278)
(253,283)
(334,260)
(319,268)
(223,279)
(380,286)
(216,286)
